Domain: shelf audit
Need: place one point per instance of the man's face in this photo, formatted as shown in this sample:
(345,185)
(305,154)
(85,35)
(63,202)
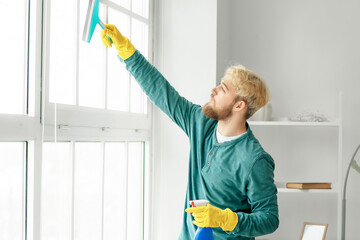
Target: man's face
(223,98)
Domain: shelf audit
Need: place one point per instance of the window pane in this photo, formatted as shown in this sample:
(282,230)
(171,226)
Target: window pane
(62,51)
(30,191)
(115,175)
(13,58)
(141,7)
(138,100)
(12,190)
(91,63)
(135,190)
(118,77)
(56,195)
(121,199)
(139,36)
(32,57)
(88,191)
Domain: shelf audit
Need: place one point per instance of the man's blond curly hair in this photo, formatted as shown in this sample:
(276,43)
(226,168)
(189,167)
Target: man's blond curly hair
(249,87)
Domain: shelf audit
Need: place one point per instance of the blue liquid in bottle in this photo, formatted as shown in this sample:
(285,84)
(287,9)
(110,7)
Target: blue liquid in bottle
(204,234)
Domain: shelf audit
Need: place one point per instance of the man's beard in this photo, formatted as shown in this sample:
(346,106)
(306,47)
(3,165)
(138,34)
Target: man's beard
(210,112)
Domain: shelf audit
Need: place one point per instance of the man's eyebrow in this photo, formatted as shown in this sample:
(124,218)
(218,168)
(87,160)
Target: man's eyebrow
(224,85)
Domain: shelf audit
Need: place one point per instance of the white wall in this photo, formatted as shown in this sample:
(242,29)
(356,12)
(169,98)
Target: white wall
(185,47)
(223,50)
(307,51)
(301,46)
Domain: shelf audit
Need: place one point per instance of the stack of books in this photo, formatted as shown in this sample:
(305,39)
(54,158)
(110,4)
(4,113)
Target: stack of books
(313,185)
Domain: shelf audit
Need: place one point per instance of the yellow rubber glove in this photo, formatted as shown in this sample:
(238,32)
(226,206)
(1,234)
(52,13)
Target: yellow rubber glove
(123,45)
(210,216)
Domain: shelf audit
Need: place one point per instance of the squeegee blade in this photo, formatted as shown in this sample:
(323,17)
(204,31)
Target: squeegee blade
(88,30)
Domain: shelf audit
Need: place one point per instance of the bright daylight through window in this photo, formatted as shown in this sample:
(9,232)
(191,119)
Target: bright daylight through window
(74,125)
(92,190)
(13,60)
(86,77)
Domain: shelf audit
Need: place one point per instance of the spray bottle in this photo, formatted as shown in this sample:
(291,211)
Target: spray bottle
(205,233)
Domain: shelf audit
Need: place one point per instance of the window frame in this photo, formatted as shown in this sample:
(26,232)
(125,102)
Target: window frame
(64,123)
(26,127)
(145,180)
(45,121)
(68,115)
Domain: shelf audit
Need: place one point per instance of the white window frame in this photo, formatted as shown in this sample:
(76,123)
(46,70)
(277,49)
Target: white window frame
(75,123)
(61,125)
(67,115)
(27,127)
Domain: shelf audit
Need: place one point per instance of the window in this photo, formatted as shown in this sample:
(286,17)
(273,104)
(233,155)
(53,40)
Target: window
(18,125)
(12,187)
(13,67)
(93,190)
(74,126)
(92,76)
(17,59)
(97,126)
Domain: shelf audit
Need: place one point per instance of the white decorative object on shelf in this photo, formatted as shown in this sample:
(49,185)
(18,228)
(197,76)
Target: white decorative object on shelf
(293,123)
(309,117)
(263,114)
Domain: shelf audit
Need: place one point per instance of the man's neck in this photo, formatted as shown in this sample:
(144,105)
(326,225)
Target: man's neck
(231,127)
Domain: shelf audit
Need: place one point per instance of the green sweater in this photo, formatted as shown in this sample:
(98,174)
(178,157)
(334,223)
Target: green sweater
(237,174)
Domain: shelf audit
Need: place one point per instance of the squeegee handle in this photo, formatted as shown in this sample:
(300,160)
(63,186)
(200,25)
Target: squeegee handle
(103,27)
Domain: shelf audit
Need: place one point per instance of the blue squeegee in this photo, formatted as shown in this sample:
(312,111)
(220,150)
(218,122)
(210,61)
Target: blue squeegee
(92,19)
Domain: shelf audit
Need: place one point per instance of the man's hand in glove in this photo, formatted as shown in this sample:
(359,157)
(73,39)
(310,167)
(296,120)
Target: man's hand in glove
(123,45)
(210,216)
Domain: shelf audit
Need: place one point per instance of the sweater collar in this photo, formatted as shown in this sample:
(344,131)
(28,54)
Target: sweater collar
(234,141)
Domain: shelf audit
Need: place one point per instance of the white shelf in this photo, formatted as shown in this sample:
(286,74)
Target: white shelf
(293,190)
(332,130)
(281,187)
(293,123)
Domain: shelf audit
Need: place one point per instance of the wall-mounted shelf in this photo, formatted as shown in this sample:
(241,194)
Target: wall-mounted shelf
(305,152)
(290,190)
(282,189)
(293,123)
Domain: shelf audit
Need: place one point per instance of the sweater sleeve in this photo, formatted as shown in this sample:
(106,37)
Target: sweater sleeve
(159,91)
(262,196)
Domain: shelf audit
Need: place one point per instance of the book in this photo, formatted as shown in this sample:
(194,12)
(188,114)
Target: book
(313,185)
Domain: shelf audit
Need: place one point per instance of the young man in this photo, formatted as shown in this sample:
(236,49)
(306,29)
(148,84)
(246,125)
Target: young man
(227,164)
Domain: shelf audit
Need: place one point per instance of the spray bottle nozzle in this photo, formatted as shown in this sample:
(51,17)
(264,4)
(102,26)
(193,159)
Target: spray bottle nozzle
(199,203)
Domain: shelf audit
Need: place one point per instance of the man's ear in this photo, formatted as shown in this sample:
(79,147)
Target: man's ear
(240,106)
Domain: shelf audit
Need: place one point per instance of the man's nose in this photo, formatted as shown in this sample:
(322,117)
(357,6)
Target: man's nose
(213,91)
